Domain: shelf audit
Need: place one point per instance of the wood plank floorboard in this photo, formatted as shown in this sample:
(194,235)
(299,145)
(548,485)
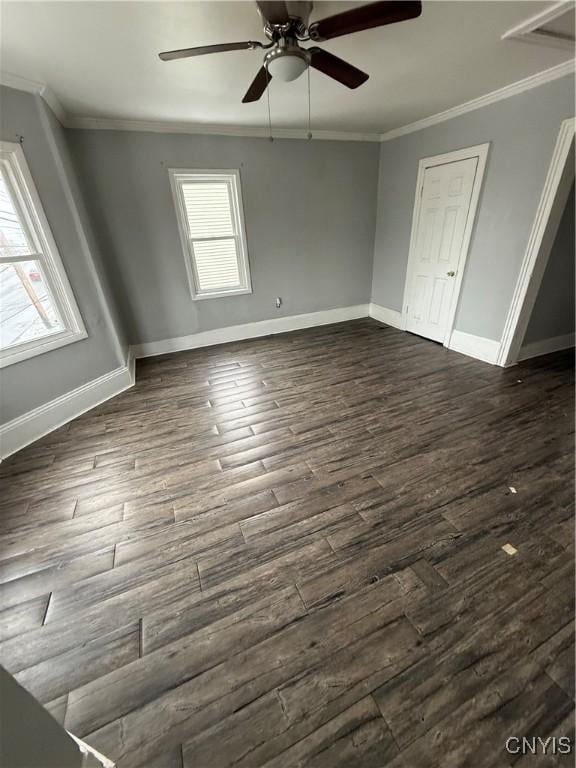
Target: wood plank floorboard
(287,552)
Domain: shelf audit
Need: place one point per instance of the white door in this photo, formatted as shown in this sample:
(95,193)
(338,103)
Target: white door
(444,210)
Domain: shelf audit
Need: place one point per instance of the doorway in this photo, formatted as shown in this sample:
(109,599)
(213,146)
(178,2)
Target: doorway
(447,193)
(556,191)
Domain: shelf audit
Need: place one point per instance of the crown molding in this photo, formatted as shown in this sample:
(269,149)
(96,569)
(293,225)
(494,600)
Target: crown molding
(540,78)
(21,83)
(162,126)
(37,88)
(51,99)
(530,30)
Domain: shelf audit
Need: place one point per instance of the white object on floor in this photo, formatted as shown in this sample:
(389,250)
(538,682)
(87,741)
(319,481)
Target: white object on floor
(90,757)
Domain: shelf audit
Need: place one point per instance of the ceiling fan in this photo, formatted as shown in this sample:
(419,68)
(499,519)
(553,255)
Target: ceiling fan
(286,26)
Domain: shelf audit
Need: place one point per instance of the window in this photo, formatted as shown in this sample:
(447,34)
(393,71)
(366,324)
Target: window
(211,223)
(37,308)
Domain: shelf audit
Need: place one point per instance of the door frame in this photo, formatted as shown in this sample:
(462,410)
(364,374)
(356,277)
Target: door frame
(481,152)
(557,185)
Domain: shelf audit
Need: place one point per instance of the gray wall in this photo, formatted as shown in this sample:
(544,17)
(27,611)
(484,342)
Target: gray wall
(553,313)
(30,735)
(310,218)
(88,242)
(33,382)
(522,131)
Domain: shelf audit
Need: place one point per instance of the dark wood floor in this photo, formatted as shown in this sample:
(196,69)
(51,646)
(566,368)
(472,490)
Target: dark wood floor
(288,552)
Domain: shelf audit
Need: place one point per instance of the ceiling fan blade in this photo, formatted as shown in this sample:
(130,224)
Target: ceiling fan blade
(365,17)
(257,86)
(184,53)
(273,11)
(336,68)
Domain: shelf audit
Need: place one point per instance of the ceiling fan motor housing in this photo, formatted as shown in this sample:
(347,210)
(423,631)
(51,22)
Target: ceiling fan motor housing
(296,15)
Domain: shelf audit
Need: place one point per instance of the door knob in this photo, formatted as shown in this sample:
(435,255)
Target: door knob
(450,274)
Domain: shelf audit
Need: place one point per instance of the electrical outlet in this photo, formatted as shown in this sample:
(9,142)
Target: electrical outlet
(278,302)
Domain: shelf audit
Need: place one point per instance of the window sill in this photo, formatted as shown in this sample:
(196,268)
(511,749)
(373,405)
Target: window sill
(21,352)
(221,294)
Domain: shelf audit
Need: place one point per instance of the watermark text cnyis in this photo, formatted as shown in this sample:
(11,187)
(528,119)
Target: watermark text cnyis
(536,745)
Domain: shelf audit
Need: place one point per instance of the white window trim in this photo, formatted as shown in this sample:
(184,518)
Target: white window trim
(29,207)
(179,175)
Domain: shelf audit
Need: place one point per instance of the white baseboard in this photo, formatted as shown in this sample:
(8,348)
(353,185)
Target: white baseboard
(91,758)
(546,346)
(31,426)
(384,315)
(249,331)
(475,346)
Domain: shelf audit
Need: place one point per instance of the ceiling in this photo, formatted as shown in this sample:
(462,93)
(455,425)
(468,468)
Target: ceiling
(100,60)
(562,26)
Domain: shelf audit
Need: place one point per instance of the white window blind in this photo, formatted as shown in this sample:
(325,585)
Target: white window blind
(211,224)
(37,309)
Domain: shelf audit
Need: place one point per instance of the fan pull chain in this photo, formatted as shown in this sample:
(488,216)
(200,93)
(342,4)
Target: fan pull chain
(270,137)
(309,134)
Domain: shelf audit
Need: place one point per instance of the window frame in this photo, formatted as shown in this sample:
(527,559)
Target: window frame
(29,208)
(179,176)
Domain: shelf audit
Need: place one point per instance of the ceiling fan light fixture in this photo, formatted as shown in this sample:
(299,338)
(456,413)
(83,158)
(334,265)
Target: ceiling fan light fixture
(285,64)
